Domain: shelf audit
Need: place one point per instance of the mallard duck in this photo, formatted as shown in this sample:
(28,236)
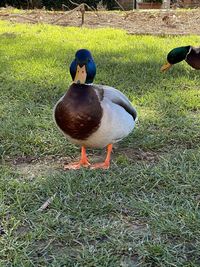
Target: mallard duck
(188,53)
(91,115)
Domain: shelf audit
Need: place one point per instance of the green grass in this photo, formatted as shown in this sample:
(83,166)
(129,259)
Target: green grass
(144,211)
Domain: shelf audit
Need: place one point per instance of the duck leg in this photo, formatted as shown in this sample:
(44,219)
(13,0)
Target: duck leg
(82,162)
(106,163)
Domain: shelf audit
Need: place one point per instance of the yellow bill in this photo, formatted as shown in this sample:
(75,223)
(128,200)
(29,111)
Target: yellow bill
(81,75)
(166,67)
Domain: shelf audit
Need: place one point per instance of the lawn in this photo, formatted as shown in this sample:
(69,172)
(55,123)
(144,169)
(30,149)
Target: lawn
(144,211)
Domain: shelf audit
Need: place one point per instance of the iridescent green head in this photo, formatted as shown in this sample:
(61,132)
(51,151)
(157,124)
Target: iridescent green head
(176,55)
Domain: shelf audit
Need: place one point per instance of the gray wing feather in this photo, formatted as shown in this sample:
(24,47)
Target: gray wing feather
(116,97)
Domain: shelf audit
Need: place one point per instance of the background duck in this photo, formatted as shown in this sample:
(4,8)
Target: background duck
(188,53)
(93,116)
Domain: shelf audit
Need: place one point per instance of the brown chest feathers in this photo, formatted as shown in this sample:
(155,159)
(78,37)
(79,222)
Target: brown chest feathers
(193,58)
(79,113)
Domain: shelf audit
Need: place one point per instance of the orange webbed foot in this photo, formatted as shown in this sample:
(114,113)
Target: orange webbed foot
(106,164)
(76,165)
(85,163)
(72,166)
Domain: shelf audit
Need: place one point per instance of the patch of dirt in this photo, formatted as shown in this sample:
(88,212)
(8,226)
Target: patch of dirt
(139,154)
(30,167)
(155,22)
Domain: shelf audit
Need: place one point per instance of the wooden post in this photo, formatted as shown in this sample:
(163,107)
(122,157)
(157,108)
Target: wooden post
(134,4)
(82,10)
